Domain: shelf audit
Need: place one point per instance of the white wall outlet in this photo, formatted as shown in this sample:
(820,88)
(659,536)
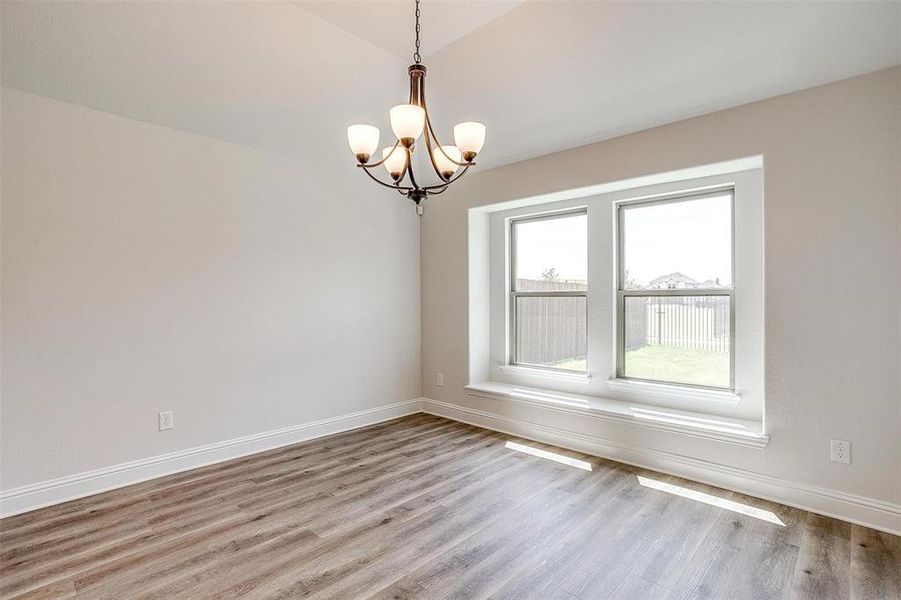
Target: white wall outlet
(440,380)
(166,420)
(840,451)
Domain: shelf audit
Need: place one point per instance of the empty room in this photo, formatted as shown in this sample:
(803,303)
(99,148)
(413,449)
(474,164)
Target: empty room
(432,299)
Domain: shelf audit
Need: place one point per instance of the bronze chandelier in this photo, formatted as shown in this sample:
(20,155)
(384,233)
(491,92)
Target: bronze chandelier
(408,122)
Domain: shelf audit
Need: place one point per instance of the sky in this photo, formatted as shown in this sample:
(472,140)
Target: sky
(560,243)
(693,237)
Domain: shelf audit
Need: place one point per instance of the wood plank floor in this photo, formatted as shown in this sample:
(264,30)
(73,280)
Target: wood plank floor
(423,507)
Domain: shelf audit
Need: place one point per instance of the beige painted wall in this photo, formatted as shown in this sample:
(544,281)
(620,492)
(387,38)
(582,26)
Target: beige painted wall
(147,269)
(833,274)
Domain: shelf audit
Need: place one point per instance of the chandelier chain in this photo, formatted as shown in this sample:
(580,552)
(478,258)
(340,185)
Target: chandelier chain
(416,58)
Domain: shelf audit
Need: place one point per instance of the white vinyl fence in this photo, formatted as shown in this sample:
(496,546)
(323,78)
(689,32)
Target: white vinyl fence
(698,322)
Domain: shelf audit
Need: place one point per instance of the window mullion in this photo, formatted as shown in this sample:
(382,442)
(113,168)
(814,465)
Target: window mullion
(549,293)
(679,292)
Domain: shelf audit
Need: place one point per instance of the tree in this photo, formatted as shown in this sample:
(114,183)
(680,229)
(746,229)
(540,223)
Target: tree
(550,275)
(630,283)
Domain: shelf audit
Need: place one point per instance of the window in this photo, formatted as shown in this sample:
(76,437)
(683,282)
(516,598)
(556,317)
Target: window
(675,313)
(645,292)
(548,291)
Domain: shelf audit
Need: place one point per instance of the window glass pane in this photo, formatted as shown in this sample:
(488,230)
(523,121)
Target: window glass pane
(551,254)
(552,332)
(678,339)
(678,245)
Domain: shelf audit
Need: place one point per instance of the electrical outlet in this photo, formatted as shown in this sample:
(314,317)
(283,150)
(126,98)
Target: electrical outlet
(166,420)
(840,451)
(440,380)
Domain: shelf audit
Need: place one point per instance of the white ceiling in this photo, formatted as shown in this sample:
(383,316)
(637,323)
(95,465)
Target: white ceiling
(549,76)
(390,25)
(265,74)
(543,76)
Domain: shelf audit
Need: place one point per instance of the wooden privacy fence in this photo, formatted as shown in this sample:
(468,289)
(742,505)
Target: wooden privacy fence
(552,330)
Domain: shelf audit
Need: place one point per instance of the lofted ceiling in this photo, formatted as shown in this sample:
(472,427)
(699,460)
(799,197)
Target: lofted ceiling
(549,76)
(288,76)
(390,25)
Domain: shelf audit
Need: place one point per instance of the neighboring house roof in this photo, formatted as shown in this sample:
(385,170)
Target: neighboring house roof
(680,277)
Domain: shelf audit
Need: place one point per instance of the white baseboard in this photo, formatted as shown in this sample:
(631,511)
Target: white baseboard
(861,510)
(55,491)
(869,512)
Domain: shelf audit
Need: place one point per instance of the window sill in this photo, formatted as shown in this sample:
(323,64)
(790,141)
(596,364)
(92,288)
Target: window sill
(546,373)
(696,424)
(662,390)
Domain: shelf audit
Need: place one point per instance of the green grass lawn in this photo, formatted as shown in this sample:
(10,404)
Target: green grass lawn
(665,363)
(577,364)
(679,365)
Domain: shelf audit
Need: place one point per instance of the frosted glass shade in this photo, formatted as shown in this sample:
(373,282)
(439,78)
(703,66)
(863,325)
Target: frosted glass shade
(469,137)
(447,167)
(407,121)
(363,140)
(396,162)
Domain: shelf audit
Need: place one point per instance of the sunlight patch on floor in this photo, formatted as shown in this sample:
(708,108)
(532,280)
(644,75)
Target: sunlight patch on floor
(738,507)
(560,458)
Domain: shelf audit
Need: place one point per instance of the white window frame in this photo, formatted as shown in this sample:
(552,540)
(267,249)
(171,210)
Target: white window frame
(622,293)
(601,383)
(512,359)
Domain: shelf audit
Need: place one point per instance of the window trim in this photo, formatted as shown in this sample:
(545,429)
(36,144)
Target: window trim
(514,294)
(489,263)
(621,293)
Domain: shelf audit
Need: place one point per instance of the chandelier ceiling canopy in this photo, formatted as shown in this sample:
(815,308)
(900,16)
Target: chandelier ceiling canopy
(409,122)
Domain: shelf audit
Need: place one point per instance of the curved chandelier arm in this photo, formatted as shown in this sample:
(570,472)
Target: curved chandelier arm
(438,192)
(431,188)
(428,146)
(400,188)
(429,134)
(438,142)
(410,169)
(417,93)
(417,96)
(381,162)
